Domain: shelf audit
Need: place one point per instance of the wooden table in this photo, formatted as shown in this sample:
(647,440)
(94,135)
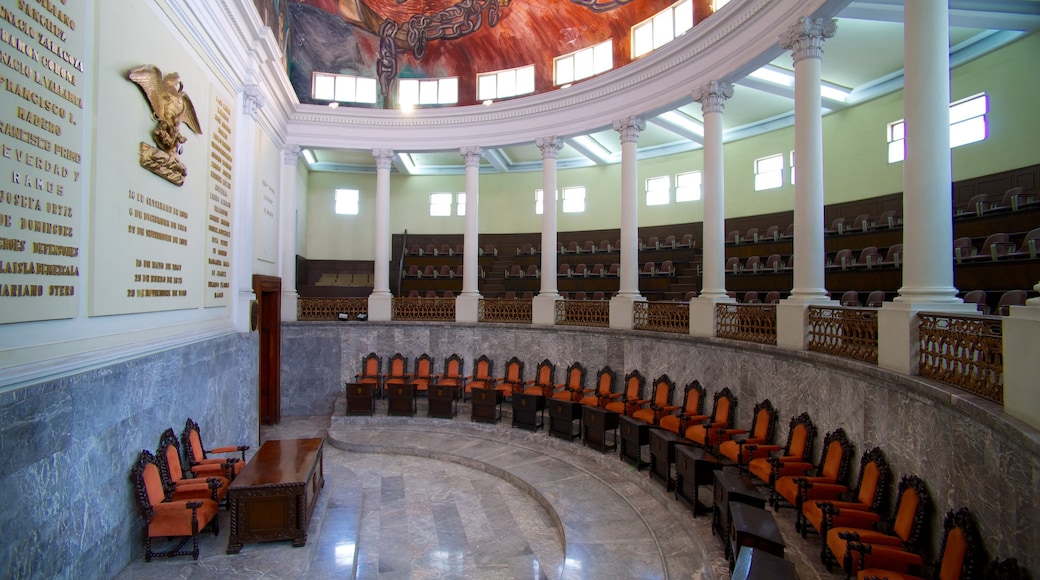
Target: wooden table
(754,564)
(693,468)
(731,488)
(400,399)
(662,455)
(528,411)
(596,422)
(562,415)
(755,528)
(274,495)
(442,401)
(635,433)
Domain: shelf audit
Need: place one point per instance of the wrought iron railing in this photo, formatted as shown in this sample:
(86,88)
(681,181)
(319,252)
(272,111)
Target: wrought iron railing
(504,310)
(965,351)
(747,322)
(844,331)
(583,313)
(330,308)
(662,316)
(423,309)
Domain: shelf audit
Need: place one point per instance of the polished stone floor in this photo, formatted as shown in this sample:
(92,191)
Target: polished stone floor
(428,498)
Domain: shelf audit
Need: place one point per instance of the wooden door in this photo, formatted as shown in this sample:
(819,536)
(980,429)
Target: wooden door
(268,290)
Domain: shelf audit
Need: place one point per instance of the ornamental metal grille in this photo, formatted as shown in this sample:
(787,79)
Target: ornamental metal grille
(747,322)
(330,308)
(662,316)
(965,351)
(424,309)
(844,331)
(583,313)
(504,310)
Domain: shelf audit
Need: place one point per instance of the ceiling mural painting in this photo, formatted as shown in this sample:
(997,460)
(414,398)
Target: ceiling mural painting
(388,39)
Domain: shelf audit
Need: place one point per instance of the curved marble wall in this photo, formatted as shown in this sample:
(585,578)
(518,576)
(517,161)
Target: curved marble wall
(965,447)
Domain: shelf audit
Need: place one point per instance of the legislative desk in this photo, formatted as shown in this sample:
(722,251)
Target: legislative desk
(731,488)
(693,468)
(274,495)
(361,398)
(596,422)
(662,455)
(400,399)
(442,401)
(486,405)
(528,411)
(562,415)
(635,433)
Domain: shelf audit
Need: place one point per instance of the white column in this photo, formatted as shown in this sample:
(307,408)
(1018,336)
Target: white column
(468,301)
(380,302)
(287,232)
(712,98)
(244,183)
(927,174)
(544,305)
(621,306)
(805,41)
(1021,365)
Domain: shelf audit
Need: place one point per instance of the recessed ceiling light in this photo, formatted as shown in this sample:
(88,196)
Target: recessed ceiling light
(334,104)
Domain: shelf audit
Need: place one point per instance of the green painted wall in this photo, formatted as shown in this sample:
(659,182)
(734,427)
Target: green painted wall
(855,167)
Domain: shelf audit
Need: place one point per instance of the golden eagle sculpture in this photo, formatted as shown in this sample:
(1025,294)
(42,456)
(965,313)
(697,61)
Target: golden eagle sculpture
(170,107)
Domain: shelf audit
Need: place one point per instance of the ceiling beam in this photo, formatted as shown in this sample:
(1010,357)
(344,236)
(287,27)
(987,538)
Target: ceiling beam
(498,159)
(678,130)
(996,15)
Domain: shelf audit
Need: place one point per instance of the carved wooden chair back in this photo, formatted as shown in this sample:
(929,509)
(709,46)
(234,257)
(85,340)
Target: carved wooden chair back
(764,425)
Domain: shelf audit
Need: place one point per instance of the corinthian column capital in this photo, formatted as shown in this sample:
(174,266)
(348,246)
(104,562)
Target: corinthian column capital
(629,128)
(471,155)
(549,146)
(805,37)
(291,154)
(252,99)
(713,96)
(384,157)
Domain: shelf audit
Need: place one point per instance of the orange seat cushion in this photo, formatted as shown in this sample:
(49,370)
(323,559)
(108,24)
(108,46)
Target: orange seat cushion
(812,512)
(174,519)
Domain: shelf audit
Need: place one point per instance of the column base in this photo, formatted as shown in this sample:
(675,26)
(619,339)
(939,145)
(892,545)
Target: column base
(792,318)
(380,307)
(543,309)
(1021,365)
(702,313)
(467,308)
(899,346)
(290,298)
(622,310)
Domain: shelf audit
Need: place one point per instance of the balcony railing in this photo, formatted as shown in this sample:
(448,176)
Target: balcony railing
(748,322)
(662,316)
(964,351)
(424,309)
(330,308)
(583,313)
(844,331)
(504,310)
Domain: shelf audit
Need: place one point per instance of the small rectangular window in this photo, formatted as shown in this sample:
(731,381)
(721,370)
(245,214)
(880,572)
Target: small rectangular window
(347,201)
(505,83)
(573,199)
(688,186)
(412,92)
(792,167)
(583,63)
(769,172)
(658,190)
(538,203)
(440,204)
(967,125)
(343,88)
(460,204)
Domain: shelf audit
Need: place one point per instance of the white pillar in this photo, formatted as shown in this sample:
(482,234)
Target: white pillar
(468,301)
(1021,365)
(621,306)
(927,174)
(244,182)
(380,302)
(544,305)
(805,41)
(287,234)
(712,98)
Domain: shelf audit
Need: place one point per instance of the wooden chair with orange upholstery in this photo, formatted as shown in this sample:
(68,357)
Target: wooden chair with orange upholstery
(631,397)
(763,429)
(660,401)
(423,376)
(846,546)
(801,433)
(371,372)
(513,379)
(600,396)
(210,482)
(396,371)
(544,381)
(574,387)
(481,378)
(453,375)
(166,516)
(817,500)
(707,431)
(833,468)
(692,405)
(197,456)
(960,555)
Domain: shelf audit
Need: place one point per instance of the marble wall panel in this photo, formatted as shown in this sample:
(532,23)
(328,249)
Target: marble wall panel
(69,443)
(968,451)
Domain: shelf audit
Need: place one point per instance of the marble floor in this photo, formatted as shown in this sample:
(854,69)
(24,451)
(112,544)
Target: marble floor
(429,498)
